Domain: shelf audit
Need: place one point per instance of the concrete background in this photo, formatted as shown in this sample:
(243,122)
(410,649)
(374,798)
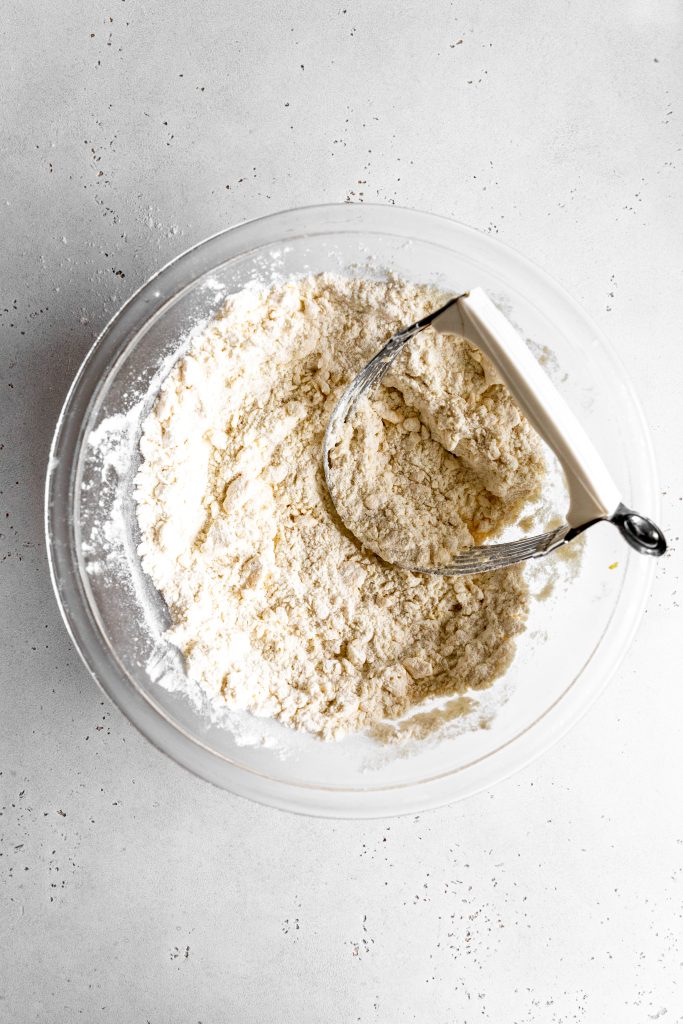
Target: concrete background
(130,891)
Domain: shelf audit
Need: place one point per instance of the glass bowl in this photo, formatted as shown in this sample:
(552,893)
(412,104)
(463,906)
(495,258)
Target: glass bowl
(574,641)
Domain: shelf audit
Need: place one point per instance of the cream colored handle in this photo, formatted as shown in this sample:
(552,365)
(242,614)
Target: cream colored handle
(593,493)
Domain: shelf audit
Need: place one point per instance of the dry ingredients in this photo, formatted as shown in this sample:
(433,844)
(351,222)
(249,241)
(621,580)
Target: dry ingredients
(275,606)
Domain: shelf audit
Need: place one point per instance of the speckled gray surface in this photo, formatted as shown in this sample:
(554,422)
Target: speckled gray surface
(130,891)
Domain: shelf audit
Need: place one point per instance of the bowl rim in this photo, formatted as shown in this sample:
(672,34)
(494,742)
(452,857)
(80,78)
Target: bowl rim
(81,621)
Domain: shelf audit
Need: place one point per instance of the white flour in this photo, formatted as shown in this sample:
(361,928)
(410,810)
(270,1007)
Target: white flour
(276,609)
(396,481)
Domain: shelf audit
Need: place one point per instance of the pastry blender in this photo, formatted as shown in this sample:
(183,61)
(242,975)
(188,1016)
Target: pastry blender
(593,495)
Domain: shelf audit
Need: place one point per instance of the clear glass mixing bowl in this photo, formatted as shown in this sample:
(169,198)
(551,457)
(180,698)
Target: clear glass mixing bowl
(575,640)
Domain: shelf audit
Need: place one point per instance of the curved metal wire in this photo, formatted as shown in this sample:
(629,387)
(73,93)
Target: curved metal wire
(475,560)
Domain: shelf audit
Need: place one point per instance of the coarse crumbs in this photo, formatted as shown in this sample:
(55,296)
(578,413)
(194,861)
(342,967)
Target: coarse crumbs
(275,606)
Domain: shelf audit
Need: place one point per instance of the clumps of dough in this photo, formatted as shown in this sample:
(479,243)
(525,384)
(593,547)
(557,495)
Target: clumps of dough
(276,607)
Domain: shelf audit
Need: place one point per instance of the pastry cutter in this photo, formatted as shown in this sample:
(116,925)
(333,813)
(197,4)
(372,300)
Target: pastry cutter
(593,495)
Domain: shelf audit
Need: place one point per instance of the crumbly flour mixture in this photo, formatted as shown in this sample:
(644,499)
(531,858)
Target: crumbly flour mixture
(275,606)
(439,459)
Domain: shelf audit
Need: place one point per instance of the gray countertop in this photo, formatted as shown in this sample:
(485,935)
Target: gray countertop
(131,891)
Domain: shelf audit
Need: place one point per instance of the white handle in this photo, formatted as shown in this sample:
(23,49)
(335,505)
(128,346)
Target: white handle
(592,491)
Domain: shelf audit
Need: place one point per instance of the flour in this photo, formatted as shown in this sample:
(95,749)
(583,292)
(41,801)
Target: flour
(275,607)
(396,481)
